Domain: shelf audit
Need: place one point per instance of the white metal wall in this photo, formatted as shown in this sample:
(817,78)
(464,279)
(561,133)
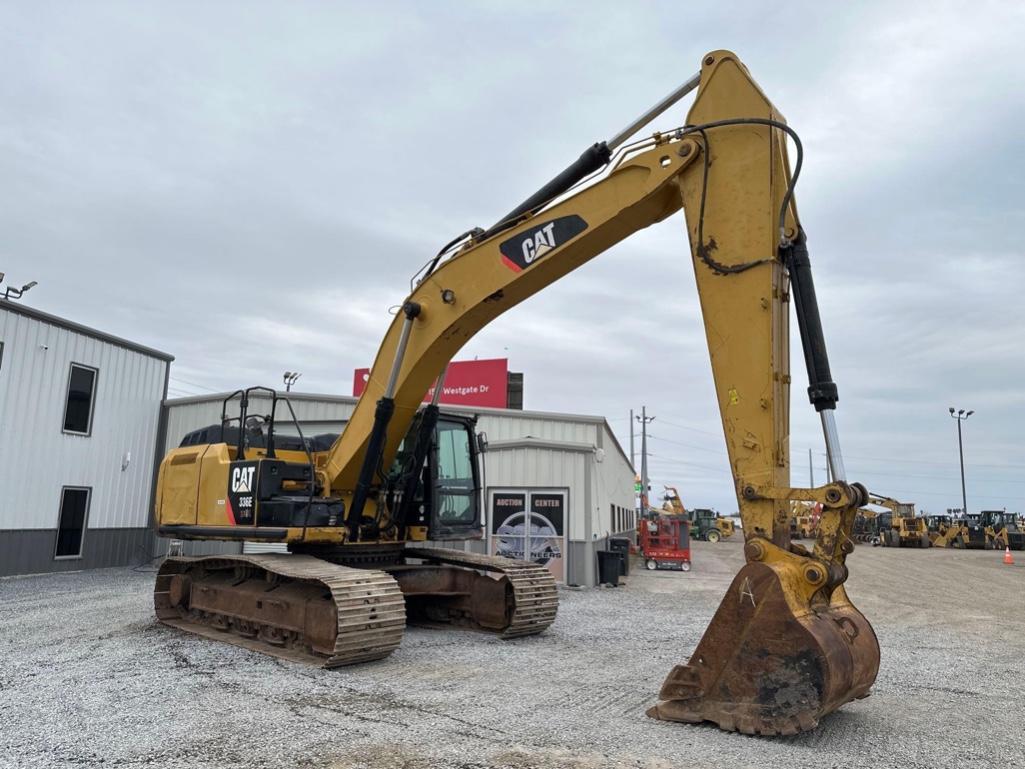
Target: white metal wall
(534,468)
(37,459)
(615,481)
(503,427)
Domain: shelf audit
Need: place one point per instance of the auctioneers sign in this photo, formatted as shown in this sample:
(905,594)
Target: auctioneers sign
(467,383)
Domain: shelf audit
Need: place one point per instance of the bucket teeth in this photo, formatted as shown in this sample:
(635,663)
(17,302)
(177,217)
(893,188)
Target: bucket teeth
(764,668)
(681,683)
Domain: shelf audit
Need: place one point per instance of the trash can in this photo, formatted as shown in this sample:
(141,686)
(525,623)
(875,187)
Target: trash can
(621,545)
(609,566)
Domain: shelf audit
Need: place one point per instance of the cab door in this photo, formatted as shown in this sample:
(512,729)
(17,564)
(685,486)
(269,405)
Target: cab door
(455,509)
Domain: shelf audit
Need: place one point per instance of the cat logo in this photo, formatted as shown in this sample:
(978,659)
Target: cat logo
(542,242)
(523,250)
(242,479)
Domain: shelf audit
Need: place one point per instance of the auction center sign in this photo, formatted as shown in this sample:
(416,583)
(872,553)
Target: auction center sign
(467,383)
(530,525)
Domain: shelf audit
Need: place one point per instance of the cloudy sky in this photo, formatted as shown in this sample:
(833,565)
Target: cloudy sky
(249,186)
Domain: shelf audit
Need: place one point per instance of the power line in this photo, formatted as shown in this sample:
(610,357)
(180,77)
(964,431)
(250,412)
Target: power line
(178,392)
(939,477)
(687,445)
(193,384)
(692,429)
(689,464)
(923,461)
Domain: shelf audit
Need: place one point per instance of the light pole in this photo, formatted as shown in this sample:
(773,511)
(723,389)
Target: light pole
(290,377)
(961,415)
(15,293)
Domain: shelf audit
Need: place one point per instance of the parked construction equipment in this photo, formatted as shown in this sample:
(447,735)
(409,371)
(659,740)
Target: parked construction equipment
(805,519)
(664,542)
(945,531)
(866,526)
(975,535)
(705,523)
(786,645)
(1002,530)
(904,528)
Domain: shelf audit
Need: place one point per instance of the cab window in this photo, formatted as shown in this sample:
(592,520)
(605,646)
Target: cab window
(456,501)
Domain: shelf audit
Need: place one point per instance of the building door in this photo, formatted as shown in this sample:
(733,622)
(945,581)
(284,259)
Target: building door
(530,525)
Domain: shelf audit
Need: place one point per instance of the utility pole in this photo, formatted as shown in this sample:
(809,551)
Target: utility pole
(633,459)
(961,416)
(811,472)
(644,419)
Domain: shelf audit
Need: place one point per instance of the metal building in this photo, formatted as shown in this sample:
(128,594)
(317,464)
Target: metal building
(556,485)
(79,432)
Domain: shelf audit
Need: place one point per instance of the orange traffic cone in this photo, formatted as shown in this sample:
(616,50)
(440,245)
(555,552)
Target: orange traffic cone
(1008,558)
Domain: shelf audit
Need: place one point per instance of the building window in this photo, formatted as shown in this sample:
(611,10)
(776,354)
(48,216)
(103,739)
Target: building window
(78,413)
(74,513)
(1,356)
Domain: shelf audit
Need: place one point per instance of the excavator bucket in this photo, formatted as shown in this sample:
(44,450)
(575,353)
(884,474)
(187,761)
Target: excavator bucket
(763,667)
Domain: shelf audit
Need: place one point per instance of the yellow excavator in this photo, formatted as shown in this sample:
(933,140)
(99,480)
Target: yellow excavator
(786,645)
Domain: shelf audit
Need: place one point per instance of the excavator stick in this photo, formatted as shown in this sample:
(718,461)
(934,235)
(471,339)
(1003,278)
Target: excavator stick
(762,669)
(785,646)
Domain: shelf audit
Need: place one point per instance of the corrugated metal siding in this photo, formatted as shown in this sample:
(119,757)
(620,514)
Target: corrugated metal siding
(616,478)
(31,551)
(501,428)
(531,467)
(37,459)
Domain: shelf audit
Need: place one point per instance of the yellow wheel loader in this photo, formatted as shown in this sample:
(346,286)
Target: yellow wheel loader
(786,645)
(1002,530)
(904,528)
(945,531)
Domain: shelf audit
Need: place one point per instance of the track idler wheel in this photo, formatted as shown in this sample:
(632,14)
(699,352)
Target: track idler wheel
(766,666)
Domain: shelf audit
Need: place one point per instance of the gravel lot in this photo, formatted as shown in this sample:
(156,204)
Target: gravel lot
(87,677)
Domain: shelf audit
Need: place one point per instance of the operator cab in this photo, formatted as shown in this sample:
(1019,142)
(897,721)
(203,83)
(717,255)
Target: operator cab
(447,499)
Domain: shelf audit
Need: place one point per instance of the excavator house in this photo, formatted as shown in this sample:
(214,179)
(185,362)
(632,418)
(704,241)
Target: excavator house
(786,645)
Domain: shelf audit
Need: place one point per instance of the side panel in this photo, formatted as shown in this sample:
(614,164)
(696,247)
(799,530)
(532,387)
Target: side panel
(193,487)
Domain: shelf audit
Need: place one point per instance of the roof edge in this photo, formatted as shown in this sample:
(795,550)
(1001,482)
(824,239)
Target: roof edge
(31,312)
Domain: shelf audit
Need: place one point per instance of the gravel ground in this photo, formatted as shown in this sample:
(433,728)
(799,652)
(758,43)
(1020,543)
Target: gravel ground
(88,678)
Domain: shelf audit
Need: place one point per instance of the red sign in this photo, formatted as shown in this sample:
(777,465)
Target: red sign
(467,383)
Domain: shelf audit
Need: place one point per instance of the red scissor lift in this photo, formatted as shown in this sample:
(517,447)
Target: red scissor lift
(664,542)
